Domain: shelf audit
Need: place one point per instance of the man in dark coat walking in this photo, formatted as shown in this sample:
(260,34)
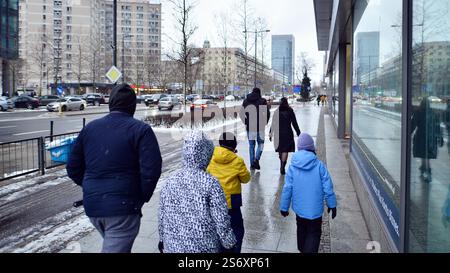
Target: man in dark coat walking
(117,161)
(255,113)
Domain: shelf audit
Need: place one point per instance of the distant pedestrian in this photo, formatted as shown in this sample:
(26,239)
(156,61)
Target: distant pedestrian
(427,137)
(306,185)
(281,132)
(319,98)
(117,161)
(193,214)
(231,172)
(255,114)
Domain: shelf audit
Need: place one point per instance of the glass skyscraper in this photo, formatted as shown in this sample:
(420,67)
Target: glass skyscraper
(9,36)
(283,55)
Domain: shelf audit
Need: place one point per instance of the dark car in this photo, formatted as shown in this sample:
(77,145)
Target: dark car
(26,102)
(45,100)
(154,100)
(95,99)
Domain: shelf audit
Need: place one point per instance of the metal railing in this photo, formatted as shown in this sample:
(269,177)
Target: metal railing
(23,157)
(20,157)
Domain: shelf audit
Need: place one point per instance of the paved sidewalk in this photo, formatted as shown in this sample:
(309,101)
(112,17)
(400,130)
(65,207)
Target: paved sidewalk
(266,230)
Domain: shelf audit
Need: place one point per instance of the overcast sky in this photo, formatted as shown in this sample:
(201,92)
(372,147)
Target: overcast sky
(283,17)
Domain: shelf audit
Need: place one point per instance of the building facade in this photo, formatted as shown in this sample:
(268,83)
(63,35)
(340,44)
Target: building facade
(396,112)
(283,55)
(9,28)
(69,43)
(223,71)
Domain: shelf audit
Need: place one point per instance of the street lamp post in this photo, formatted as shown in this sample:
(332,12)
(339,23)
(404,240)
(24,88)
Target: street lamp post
(115,33)
(256,32)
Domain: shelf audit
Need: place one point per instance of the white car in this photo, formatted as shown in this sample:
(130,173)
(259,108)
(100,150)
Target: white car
(67,104)
(230,98)
(6,104)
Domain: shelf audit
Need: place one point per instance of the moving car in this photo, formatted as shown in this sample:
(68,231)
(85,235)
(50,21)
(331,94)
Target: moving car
(168,103)
(95,99)
(44,100)
(6,104)
(142,98)
(67,104)
(154,99)
(230,98)
(203,104)
(26,102)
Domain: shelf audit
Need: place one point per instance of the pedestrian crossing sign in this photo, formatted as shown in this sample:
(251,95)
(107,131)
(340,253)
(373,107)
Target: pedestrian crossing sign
(114,74)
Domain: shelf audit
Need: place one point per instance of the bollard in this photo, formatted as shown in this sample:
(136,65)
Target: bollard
(41,155)
(51,130)
(84,122)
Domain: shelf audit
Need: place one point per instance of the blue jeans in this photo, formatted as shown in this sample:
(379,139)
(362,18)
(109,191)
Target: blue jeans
(254,138)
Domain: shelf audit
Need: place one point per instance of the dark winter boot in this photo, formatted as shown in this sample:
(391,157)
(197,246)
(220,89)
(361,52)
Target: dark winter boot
(256,165)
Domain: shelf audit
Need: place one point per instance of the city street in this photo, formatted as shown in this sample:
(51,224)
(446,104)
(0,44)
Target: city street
(37,214)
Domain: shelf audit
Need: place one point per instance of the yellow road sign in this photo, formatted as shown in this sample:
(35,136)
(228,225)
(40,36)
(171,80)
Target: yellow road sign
(114,74)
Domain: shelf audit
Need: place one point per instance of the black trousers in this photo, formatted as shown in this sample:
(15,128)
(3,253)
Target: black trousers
(308,234)
(237,224)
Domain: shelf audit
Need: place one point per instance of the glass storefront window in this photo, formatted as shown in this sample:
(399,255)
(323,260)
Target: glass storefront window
(429,219)
(377,93)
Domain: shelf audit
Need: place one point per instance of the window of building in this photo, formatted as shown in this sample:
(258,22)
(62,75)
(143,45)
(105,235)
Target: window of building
(377,110)
(429,198)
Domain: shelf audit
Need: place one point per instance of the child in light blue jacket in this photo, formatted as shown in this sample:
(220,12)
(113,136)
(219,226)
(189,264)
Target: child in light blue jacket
(307,184)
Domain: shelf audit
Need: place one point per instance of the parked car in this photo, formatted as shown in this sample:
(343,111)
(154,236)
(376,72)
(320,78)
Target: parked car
(95,99)
(203,104)
(154,99)
(168,103)
(207,97)
(6,104)
(190,98)
(26,102)
(67,104)
(44,100)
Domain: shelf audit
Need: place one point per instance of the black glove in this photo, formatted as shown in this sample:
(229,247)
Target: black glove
(161,247)
(284,213)
(334,212)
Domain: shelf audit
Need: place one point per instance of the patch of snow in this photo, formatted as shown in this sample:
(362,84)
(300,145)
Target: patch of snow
(55,240)
(17,186)
(6,175)
(10,243)
(35,188)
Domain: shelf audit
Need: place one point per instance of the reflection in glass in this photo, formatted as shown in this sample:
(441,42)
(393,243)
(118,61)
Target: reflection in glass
(377,93)
(430,162)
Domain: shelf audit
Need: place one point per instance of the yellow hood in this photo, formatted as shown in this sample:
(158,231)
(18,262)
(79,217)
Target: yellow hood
(223,155)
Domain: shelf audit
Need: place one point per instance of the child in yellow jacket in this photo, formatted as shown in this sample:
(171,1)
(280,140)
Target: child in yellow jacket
(231,172)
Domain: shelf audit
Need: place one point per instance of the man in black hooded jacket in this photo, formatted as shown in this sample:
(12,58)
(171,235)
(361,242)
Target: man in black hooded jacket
(117,161)
(255,113)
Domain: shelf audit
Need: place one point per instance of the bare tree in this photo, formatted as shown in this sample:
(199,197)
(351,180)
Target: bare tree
(81,61)
(182,12)
(245,19)
(223,30)
(40,57)
(305,65)
(95,63)
(18,79)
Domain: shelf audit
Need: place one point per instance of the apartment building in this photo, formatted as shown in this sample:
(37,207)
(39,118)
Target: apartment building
(69,43)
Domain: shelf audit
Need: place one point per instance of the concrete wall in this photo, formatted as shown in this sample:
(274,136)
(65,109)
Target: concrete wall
(377,229)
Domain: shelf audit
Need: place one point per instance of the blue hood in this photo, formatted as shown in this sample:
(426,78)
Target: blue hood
(304,160)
